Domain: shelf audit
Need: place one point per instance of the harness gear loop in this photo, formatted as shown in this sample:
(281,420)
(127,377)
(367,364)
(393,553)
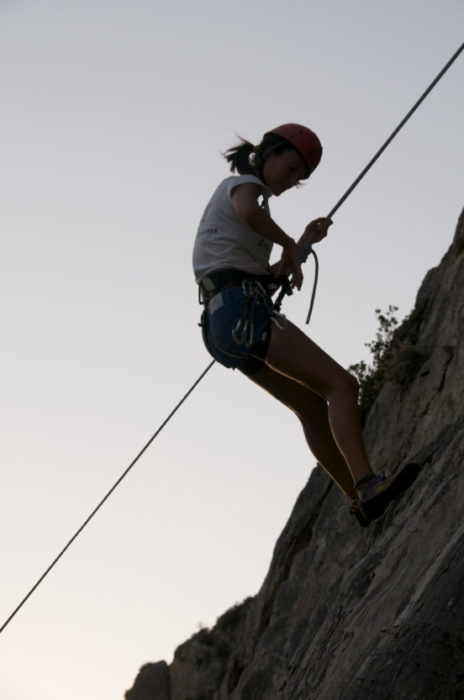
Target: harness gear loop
(255,294)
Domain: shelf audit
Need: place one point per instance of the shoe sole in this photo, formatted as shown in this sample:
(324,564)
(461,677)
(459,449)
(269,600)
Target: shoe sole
(375,507)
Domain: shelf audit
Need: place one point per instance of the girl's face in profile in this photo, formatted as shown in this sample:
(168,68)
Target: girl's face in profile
(282,171)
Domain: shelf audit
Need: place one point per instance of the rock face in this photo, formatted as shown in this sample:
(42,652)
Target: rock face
(352,614)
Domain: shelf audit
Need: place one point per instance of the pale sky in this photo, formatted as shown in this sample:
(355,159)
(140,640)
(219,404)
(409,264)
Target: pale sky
(114,115)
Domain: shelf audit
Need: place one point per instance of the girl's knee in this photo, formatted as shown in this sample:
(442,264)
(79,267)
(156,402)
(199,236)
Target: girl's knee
(346,384)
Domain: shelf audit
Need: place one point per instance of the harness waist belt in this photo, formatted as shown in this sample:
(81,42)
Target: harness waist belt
(217,280)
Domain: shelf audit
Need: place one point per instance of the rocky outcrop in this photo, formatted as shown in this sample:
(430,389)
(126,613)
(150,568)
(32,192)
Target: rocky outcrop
(352,614)
(151,682)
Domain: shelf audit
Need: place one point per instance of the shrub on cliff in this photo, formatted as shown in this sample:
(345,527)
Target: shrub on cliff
(394,356)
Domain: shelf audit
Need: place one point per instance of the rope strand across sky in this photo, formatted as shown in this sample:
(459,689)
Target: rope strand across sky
(113,125)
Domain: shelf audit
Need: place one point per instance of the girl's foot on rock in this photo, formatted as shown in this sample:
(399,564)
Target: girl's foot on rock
(376,492)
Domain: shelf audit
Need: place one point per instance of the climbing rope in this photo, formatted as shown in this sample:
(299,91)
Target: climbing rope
(286,289)
(97,508)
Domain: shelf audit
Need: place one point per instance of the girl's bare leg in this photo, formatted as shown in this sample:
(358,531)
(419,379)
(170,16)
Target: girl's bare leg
(312,411)
(292,354)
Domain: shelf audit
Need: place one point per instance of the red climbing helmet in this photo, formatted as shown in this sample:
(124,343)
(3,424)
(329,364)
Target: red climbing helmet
(303,140)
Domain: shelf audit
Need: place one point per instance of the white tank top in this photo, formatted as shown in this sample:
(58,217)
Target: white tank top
(226,241)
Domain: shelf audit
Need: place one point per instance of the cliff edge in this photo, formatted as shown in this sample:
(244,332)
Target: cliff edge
(352,614)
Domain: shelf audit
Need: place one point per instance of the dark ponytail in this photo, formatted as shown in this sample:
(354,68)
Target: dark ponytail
(239,156)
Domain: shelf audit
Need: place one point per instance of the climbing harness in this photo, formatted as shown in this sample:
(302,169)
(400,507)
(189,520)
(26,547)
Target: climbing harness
(219,280)
(255,295)
(285,289)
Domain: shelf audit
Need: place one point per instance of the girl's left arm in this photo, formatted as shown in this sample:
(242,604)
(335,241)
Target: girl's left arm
(314,232)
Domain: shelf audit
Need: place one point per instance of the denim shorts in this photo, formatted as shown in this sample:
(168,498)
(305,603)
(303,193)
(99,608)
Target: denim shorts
(236,328)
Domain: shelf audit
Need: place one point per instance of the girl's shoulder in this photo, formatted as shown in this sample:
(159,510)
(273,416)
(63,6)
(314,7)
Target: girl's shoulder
(231,182)
(239,179)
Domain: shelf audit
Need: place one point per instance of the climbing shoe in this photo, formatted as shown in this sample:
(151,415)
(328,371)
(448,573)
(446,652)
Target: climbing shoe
(355,509)
(377,491)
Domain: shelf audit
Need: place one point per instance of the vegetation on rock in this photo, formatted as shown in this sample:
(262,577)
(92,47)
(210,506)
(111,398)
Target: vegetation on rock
(394,356)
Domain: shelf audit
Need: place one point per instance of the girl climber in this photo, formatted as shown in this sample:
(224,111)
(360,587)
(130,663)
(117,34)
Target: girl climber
(242,330)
